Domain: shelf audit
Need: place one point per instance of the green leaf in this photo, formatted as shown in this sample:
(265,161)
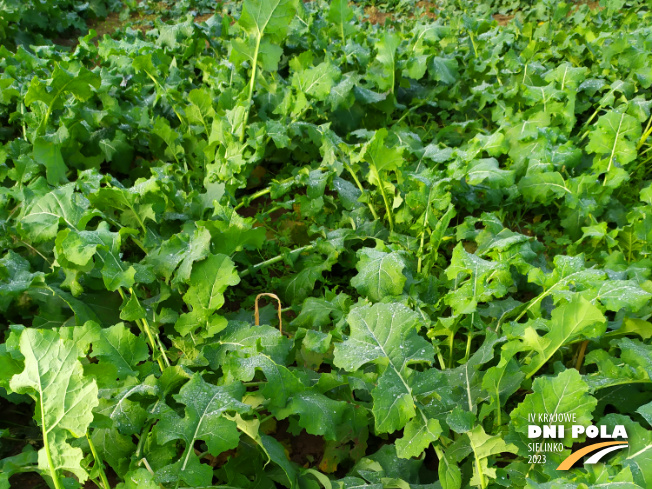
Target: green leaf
(381,159)
(321,312)
(449,473)
(340,15)
(244,340)
(418,434)
(296,287)
(565,393)
(614,140)
(120,348)
(475,280)
(231,233)
(318,414)
(272,448)
(637,456)
(138,479)
(16,278)
(204,420)
(127,416)
(443,69)
(386,335)
(618,294)
(487,170)
(77,247)
(570,271)
(485,446)
(48,154)
(65,398)
(271,18)
(180,251)
(79,84)
(570,321)
(459,420)
(40,219)
(543,187)
(380,274)
(208,281)
(316,82)
(16,464)
(385,76)
(281,386)
(631,366)
(115,449)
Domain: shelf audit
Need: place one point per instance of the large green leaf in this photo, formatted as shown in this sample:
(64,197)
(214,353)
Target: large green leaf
(570,321)
(120,348)
(566,393)
(386,335)
(204,420)
(64,397)
(40,219)
(614,141)
(340,15)
(380,274)
(267,18)
(208,281)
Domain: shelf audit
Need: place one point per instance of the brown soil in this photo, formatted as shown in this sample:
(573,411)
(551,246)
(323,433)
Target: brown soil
(304,449)
(375,16)
(203,18)
(27,480)
(503,19)
(428,9)
(106,26)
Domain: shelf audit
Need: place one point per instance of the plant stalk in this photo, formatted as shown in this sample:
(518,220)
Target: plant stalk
(646,134)
(361,188)
(46,445)
(382,192)
(98,462)
(252,83)
(144,326)
(271,261)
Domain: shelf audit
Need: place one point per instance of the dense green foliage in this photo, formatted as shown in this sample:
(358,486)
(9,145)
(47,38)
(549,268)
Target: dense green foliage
(23,21)
(455,214)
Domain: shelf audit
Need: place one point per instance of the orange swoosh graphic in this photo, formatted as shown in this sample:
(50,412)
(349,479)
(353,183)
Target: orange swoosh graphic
(574,457)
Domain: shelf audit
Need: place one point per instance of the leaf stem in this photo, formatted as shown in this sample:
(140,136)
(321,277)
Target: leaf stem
(469,339)
(253,197)
(22,120)
(580,356)
(36,251)
(48,452)
(98,462)
(475,50)
(271,261)
(498,410)
(143,438)
(149,334)
(409,111)
(382,192)
(156,82)
(252,83)
(361,188)
(451,338)
(478,465)
(646,134)
(144,326)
